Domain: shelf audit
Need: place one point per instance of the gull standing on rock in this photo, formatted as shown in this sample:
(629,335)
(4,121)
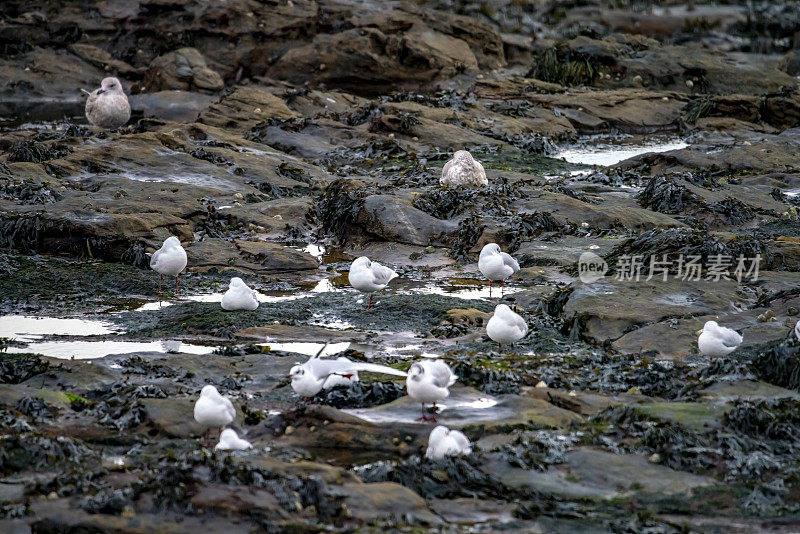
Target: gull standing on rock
(239,296)
(212,410)
(445,442)
(717,341)
(428,382)
(463,169)
(506,326)
(170,259)
(310,377)
(496,265)
(369,276)
(229,440)
(107,107)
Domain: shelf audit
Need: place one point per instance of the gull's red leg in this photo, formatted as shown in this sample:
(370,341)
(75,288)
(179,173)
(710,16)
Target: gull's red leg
(160,281)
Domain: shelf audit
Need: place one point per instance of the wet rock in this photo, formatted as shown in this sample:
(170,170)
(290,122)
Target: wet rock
(176,106)
(369,502)
(184,69)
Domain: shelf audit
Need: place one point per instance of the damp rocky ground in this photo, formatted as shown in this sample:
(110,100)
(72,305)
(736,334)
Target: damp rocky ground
(279,141)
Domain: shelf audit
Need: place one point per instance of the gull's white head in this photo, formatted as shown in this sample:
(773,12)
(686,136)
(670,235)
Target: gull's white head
(236,282)
(491,248)
(415,372)
(710,325)
(363,261)
(209,391)
(297,372)
(172,242)
(502,309)
(111,85)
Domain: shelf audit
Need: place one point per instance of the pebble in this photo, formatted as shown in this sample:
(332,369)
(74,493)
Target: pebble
(289,430)
(655,458)
(572,393)
(689,84)
(238,196)
(635,391)
(541,384)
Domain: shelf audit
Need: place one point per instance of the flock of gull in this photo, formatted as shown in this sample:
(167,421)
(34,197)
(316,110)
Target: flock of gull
(427,381)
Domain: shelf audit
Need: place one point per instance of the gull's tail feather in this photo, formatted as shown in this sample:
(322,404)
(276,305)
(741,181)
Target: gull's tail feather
(377,368)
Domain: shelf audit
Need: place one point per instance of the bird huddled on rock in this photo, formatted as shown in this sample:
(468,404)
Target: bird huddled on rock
(229,440)
(169,260)
(369,276)
(496,265)
(107,107)
(429,382)
(463,170)
(717,341)
(506,326)
(239,296)
(213,410)
(446,442)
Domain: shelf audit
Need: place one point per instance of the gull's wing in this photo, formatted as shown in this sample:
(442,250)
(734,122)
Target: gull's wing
(382,275)
(441,375)
(447,166)
(316,356)
(520,323)
(463,443)
(729,337)
(324,368)
(229,407)
(509,260)
(154,258)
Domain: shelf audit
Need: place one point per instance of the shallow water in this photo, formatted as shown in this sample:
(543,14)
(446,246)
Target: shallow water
(29,327)
(88,350)
(606,155)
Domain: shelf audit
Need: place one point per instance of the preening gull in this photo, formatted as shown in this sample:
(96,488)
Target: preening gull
(107,107)
(169,260)
(239,296)
(717,341)
(428,382)
(212,410)
(445,442)
(369,276)
(463,169)
(506,326)
(496,265)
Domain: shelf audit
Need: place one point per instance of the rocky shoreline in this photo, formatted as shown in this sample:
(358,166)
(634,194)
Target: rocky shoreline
(279,141)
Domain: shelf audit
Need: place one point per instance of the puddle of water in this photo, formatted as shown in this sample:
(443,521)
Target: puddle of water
(330,322)
(461,407)
(477,292)
(87,350)
(792,192)
(29,327)
(611,155)
(315,250)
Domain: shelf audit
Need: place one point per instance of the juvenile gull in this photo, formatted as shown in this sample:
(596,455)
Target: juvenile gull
(369,276)
(428,382)
(506,326)
(717,341)
(310,377)
(239,296)
(445,442)
(170,259)
(496,265)
(463,169)
(107,107)
(229,440)
(212,410)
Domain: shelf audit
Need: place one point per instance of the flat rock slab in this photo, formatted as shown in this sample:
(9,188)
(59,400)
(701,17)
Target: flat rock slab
(470,408)
(700,416)
(592,473)
(609,308)
(746,389)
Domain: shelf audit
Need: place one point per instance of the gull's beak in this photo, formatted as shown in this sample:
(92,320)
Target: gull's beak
(85,91)
(288,376)
(101,91)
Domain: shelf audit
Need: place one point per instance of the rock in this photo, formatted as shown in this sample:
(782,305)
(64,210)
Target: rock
(368,502)
(184,69)
(176,106)
(255,256)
